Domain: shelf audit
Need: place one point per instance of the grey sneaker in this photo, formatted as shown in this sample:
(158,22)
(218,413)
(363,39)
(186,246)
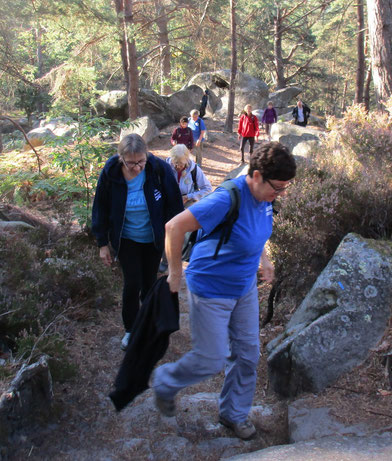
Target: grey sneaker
(125,341)
(244,430)
(166,407)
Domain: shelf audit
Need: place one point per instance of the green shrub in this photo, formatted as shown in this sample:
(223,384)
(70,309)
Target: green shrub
(345,188)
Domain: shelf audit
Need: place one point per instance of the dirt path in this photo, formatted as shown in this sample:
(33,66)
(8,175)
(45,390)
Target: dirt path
(85,425)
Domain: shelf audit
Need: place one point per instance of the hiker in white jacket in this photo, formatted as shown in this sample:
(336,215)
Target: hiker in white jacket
(190,177)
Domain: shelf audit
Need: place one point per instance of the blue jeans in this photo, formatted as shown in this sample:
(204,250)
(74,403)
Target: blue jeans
(225,334)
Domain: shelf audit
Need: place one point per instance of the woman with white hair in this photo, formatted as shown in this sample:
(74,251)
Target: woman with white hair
(190,177)
(191,180)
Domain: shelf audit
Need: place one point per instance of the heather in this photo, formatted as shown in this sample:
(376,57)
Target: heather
(346,186)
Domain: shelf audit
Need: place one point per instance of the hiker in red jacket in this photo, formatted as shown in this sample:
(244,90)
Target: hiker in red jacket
(248,129)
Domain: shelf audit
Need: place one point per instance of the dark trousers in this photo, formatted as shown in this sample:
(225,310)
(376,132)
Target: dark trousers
(139,264)
(301,123)
(242,146)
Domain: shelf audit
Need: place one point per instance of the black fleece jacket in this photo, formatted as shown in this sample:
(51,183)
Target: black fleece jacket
(162,194)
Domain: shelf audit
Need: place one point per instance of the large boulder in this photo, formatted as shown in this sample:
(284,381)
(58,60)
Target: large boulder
(182,102)
(291,135)
(113,104)
(155,106)
(283,97)
(248,90)
(143,126)
(344,315)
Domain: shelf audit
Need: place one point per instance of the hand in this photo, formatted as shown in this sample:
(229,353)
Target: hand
(267,271)
(104,254)
(239,136)
(198,142)
(184,199)
(174,281)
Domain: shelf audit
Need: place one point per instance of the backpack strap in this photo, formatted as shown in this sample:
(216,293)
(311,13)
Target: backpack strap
(194,178)
(231,216)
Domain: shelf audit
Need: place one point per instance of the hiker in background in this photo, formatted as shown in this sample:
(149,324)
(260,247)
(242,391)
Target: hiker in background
(192,182)
(204,102)
(248,129)
(301,114)
(269,117)
(136,195)
(183,134)
(198,128)
(222,292)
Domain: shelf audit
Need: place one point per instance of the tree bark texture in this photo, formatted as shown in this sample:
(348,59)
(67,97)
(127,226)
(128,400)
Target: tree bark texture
(360,80)
(163,34)
(128,55)
(278,58)
(233,72)
(380,36)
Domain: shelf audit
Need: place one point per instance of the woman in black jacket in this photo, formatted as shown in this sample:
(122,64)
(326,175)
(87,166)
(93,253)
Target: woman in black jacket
(136,195)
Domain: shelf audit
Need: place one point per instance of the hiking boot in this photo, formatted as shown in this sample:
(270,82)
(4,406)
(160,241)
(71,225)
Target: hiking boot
(166,407)
(244,430)
(125,341)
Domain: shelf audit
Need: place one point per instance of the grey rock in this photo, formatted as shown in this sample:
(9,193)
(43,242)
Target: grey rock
(113,104)
(182,102)
(28,398)
(342,317)
(306,149)
(248,90)
(15,225)
(291,135)
(373,448)
(156,107)
(283,97)
(239,171)
(307,423)
(171,447)
(143,126)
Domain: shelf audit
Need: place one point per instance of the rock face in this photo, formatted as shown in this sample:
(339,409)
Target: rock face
(143,126)
(282,98)
(291,135)
(38,136)
(28,399)
(183,101)
(376,447)
(342,317)
(249,90)
(113,104)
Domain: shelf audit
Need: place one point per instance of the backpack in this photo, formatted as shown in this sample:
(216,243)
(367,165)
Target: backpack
(225,226)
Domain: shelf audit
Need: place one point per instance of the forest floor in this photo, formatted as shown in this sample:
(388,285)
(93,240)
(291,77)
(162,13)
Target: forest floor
(84,418)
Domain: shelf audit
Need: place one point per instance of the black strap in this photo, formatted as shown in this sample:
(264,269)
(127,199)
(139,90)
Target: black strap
(231,217)
(194,178)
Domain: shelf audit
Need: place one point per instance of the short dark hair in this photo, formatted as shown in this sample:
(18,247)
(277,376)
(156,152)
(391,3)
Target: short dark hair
(274,161)
(184,119)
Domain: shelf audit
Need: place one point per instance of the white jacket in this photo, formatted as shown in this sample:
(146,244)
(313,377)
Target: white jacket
(186,182)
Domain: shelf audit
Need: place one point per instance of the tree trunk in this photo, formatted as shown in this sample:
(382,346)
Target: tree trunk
(165,66)
(366,97)
(233,73)
(380,36)
(128,55)
(360,81)
(278,58)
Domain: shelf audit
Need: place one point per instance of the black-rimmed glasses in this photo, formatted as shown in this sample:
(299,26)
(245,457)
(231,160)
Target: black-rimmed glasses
(278,190)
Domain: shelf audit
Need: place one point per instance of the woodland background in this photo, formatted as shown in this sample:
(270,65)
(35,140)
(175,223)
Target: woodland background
(58,56)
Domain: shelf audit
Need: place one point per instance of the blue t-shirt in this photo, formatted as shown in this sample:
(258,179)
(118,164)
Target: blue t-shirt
(137,224)
(232,273)
(196,127)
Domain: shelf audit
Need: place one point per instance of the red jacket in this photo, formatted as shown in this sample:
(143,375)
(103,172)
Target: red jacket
(248,126)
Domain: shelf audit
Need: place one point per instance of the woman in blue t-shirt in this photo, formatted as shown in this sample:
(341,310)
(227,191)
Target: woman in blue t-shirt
(223,299)
(136,195)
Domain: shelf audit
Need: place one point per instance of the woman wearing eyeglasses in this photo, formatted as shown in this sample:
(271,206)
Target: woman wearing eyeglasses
(135,196)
